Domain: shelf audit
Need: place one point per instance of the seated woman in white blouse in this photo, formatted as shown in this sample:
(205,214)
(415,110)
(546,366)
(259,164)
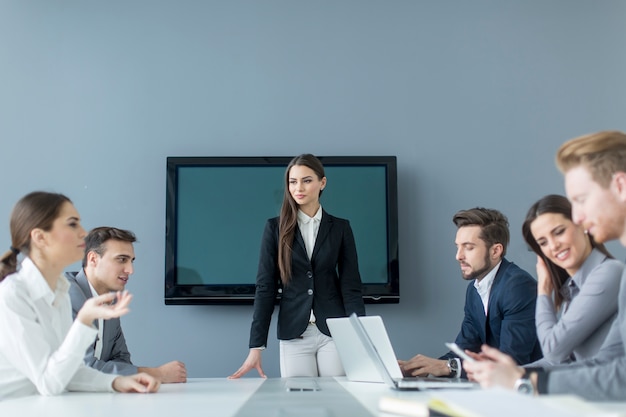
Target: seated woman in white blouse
(578,283)
(41,349)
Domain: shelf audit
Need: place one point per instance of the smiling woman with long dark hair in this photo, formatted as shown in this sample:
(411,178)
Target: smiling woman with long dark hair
(577,279)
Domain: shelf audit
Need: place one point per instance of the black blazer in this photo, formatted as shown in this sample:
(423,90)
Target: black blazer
(329,283)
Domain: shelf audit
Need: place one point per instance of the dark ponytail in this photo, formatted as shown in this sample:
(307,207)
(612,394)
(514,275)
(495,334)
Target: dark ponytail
(37,210)
(8,262)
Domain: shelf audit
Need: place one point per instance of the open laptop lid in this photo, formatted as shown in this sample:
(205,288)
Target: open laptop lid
(370,349)
(357,363)
(401,383)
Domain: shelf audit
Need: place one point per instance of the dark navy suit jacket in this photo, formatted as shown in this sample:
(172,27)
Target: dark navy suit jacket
(329,283)
(510,321)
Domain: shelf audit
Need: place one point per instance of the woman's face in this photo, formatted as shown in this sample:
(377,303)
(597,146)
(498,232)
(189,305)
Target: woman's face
(305,186)
(561,241)
(65,241)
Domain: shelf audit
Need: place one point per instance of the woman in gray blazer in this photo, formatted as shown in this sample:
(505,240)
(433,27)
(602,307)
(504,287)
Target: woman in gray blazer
(577,279)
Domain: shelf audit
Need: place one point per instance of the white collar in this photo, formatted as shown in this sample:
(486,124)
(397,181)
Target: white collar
(304,218)
(487,281)
(38,285)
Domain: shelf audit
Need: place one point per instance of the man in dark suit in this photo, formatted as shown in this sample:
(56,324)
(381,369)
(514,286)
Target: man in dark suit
(107,266)
(499,301)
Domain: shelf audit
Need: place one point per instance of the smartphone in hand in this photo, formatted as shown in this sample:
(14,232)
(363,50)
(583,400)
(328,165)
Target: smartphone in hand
(456,349)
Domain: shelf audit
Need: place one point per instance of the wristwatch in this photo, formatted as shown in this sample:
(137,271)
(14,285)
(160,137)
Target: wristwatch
(524,386)
(453,366)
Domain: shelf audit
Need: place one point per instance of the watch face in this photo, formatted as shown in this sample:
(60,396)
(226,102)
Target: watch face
(453,364)
(524,386)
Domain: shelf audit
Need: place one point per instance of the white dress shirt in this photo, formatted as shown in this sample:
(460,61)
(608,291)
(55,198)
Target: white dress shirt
(309,226)
(98,349)
(41,349)
(484,286)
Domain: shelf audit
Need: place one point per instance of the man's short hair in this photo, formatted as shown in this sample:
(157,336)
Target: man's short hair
(494,226)
(97,237)
(603,153)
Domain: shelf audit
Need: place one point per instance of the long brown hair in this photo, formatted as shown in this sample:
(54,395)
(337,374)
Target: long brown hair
(557,204)
(289,215)
(37,210)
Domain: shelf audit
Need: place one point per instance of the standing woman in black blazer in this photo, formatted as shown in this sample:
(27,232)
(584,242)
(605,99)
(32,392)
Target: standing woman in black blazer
(309,257)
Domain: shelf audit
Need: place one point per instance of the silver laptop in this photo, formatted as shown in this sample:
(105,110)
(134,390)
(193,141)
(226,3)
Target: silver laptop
(387,372)
(354,358)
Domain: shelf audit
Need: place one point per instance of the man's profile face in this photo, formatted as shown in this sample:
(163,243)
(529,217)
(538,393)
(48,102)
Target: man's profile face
(596,208)
(110,272)
(472,253)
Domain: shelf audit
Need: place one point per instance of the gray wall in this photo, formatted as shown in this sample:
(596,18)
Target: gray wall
(473,97)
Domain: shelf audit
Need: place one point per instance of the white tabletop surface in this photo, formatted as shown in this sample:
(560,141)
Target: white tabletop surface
(220,396)
(198,397)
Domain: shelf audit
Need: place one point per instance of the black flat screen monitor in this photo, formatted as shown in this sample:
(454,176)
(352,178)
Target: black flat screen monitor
(217,207)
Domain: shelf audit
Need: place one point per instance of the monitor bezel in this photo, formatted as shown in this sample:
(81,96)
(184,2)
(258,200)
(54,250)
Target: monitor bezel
(176,294)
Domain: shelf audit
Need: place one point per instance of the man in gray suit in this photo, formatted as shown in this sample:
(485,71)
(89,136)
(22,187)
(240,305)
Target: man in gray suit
(107,266)
(595,181)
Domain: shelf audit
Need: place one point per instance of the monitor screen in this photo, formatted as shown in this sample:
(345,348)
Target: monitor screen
(217,208)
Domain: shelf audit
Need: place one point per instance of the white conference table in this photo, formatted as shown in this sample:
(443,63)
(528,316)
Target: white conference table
(220,397)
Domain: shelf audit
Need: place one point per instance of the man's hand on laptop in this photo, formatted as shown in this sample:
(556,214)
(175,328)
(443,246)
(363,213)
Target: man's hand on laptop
(420,365)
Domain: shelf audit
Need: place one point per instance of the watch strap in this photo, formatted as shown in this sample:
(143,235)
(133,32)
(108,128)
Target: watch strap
(454,366)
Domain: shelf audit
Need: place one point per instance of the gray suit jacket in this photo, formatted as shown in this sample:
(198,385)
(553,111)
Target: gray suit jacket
(115,358)
(584,325)
(604,381)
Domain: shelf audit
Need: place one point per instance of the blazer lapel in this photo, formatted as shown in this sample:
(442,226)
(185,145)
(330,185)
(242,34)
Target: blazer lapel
(83,284)
(299,240)
(479,310)
(325,226)
(495,287)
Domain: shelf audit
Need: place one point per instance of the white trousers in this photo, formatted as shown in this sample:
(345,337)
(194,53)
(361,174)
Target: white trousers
(312,354)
